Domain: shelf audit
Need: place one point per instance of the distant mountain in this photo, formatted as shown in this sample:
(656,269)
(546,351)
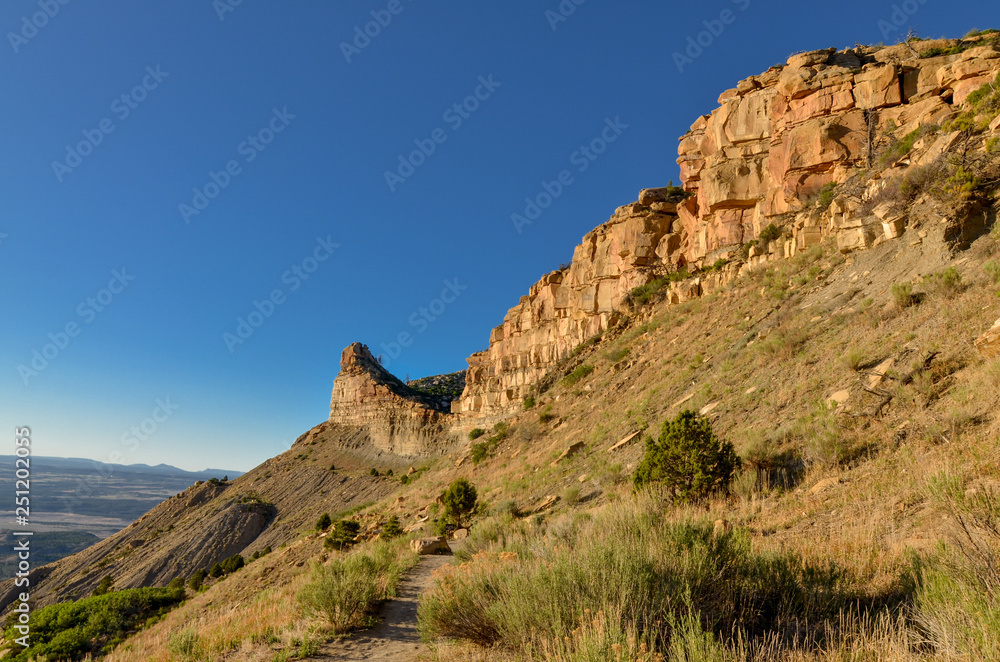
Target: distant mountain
(76,502)
(45,463)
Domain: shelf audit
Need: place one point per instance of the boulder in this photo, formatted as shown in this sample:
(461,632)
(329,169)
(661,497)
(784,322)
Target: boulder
(425,546)
(988,344)
(572,450)
(460,534)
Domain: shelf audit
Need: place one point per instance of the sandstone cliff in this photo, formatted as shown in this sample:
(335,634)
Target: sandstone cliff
(399,419)
(778,138)
(776,143)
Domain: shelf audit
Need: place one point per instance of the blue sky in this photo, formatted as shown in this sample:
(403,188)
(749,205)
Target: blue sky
(277,137)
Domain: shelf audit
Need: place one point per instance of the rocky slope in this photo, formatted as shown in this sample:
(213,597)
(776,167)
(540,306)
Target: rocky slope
(768,156)
(825,124)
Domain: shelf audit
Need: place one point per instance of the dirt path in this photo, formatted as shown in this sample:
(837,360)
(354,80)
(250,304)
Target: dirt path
(395,639)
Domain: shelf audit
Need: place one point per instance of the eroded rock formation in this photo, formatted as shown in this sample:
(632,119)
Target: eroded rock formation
(568,306)
(761,158)
(399,420)
(778,138)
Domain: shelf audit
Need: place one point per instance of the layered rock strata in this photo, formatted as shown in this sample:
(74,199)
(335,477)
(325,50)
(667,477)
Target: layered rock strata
(398,419)
(779,137)
(761,158)
(572,304)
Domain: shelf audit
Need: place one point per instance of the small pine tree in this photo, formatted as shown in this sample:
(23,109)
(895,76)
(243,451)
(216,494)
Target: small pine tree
(392,529)
(343,534)
(216,571)
(105,586)
(688,459)
(324,522)
(197,579)
(459,501)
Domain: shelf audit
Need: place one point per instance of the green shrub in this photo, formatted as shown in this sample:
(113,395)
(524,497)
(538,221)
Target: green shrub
(404,480)
(374,472)
(688,459)
(343,534)
(216,571)
(826,195)
(346,591)
(529,402)
(324,522)
(957,602)
(645,294)
(480,452)
(104,586)
(233,563)
(769,234)
(459,501)
(992,269)
(546,416)
(392,529)
(579,373)
(531,588)
(197,579)
(94,625)
(476,433)
(854,358)
(947,282)
(902,294)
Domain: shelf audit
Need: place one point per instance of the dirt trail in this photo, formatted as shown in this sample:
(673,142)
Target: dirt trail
(395,639)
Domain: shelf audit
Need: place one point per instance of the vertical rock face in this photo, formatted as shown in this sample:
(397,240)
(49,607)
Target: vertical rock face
(778,138)
(774,142)
(570,305)
(398,419)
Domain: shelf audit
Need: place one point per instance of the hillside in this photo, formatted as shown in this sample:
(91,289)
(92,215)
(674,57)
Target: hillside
(822,287)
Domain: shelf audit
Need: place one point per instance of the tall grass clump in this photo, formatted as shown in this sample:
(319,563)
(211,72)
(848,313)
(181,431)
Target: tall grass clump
(345,591)
(641,576)
(958,597)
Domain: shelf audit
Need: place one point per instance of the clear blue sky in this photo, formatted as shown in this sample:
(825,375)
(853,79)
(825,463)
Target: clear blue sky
(166,284)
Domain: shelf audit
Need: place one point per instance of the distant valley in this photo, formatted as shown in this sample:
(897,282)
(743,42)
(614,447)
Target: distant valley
(76,502)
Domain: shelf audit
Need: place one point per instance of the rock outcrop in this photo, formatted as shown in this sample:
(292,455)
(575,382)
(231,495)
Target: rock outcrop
(763,157)
(777,139)
(399,420)
(572,304)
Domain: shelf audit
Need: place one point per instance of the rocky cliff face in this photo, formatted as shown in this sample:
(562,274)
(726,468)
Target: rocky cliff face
(761,158)
(399,420)
(778,138)
(568,306)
